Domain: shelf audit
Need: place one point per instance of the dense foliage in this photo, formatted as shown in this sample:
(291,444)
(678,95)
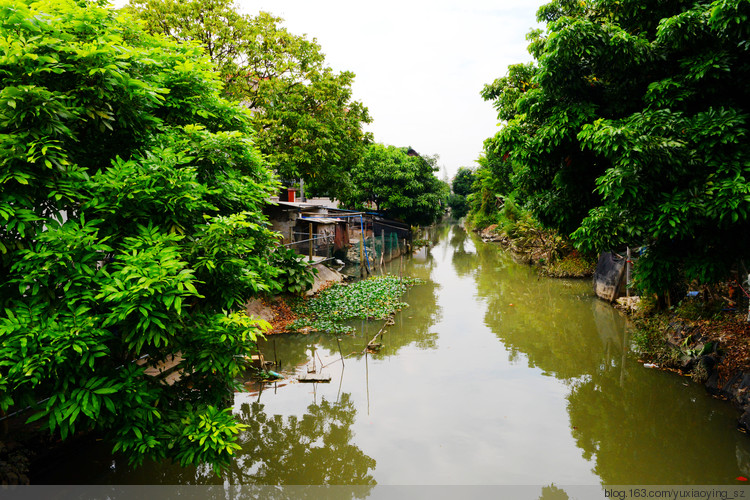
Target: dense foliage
(401,185)
(130,231)
(631,129)
(306,121)
(461,187)
(296,276)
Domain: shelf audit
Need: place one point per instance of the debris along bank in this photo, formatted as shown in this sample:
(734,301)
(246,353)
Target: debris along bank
(707,342)
(705,336)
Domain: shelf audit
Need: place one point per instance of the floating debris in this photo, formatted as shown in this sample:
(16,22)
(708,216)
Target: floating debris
(374,346)
(315,377)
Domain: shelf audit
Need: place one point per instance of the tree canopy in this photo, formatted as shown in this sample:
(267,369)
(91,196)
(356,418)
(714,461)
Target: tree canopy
(401,184)
(306,122)
(462,187)
(130,203)
(631,129)
(463,181)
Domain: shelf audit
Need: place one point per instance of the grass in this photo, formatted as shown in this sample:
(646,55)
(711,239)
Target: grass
(572,265)
(650,341)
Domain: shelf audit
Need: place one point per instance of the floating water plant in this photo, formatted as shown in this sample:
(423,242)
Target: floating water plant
(373,298)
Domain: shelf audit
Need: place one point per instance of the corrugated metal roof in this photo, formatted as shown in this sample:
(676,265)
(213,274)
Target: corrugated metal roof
(321,220)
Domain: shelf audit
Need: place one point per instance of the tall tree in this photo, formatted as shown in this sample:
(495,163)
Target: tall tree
(400,183)
(463,181)
(307,123)
(462,188)
(634,132)
(130,202)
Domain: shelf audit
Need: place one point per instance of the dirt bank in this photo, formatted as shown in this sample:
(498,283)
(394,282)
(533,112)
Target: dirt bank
(277,311)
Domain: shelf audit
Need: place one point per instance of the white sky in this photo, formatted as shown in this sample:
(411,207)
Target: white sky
(419,65)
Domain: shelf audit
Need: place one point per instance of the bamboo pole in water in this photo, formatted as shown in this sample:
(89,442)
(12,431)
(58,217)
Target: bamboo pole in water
(338,340)
(275,359)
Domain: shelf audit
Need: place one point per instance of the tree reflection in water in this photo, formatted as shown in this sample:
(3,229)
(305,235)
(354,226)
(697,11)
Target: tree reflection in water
(623,417)
(552,492)
(314,449)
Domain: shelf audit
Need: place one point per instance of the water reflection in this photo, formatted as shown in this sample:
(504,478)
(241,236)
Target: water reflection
(492,376)
(317,448)
(555,324)
(624,418)
(319,443)
(463,259)
(552,492)
(639,432)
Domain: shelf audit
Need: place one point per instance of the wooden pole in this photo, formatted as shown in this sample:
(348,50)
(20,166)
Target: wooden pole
(275,358)
(382,251)
(310,242)
(627,273)
(362,255)
(341,353)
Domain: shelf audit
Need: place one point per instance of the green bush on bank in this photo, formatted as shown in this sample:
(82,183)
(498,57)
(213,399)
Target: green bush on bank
(516,228)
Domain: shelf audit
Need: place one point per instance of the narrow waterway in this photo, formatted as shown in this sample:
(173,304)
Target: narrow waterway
(492,376)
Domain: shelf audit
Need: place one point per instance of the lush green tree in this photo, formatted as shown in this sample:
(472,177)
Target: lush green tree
(458,205)
(463,181)
(487,192)
(130,202)
(461,187)
(634,132)
(504,93)
(307,123)
(400,183)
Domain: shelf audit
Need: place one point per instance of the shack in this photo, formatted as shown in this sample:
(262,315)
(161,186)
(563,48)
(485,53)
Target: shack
(322,231)
(308,227)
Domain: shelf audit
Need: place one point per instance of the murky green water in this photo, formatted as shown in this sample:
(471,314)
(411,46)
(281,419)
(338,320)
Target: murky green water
(492,376)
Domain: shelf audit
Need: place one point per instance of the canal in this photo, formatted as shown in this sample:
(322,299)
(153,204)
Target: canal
(493,376)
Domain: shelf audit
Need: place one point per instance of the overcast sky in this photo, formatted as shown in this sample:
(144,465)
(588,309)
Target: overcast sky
(419,65)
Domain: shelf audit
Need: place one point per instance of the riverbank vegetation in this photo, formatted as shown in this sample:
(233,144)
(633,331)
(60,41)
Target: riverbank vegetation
(518,231)
(629,129)
(132,234)
(375,298)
